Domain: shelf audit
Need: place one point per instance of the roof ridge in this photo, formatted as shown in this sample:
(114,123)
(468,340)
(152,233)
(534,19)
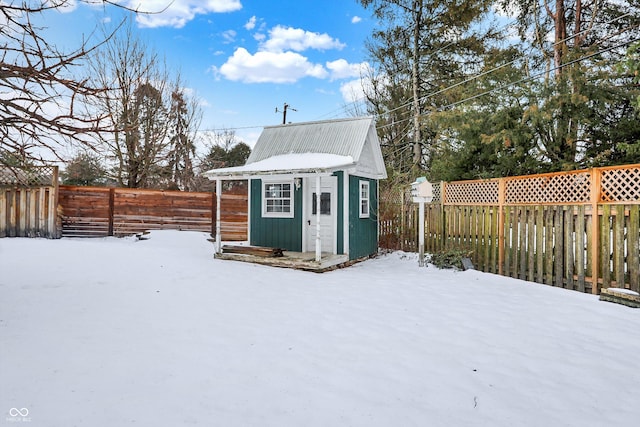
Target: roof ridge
(344,119)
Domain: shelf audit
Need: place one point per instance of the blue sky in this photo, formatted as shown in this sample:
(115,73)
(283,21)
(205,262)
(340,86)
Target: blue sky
(244,58)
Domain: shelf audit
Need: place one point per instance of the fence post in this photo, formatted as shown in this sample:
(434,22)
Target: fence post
(111,209)
(596,188)
(502,187)
(443,220)
(402,219)
(57,221)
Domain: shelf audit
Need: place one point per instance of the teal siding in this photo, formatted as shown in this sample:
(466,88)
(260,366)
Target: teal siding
(363,232)
(285,233)
(340,195)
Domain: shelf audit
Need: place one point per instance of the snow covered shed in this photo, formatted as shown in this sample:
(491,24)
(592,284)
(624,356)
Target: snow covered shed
(290,165)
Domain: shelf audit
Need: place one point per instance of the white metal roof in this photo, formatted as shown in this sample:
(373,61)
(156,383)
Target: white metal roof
(351,141)
(288,163)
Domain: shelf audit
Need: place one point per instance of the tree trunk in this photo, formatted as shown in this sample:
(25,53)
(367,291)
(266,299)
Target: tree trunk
(417,143)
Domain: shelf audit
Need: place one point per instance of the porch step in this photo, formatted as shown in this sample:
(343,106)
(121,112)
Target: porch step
(252,250)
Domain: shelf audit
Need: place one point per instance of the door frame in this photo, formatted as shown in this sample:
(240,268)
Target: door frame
(308,188)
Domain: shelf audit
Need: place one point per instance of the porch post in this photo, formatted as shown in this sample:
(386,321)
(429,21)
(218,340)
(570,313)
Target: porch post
(318,240)
(345,213)
(218,220)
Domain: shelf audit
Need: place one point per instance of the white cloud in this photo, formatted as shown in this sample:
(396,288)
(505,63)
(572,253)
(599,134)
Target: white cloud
(269,67)
(355,19)
(353,90)
(251,23)
(288,38)
(229,36)
(341,69)
(278,59)
(177,13)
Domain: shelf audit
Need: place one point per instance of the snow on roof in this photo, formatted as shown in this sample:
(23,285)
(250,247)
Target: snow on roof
(288,163)
(312,147)
(344,137)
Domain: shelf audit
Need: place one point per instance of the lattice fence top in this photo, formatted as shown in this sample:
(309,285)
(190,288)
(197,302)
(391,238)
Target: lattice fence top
(34,176)
(437,192)
(620,185)
(472,192)
(570,187)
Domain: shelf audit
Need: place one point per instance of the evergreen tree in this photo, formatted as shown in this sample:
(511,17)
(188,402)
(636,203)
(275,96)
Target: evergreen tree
(420,48)
(84,169)
(183,118)
(581,103)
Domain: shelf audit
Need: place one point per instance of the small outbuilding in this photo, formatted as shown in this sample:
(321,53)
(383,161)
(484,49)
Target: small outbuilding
(313,187)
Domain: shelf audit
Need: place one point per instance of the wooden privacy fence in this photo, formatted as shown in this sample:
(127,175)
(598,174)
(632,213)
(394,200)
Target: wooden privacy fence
(99,212)
(29,201)
(577,230)
(32,204)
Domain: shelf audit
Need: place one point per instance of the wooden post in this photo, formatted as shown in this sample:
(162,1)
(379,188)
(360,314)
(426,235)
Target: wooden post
(218,219)
(318,239)
(112,192)
(213,214)
(57,222)
(595,190)
(421,233)
(443,220)
(501,199)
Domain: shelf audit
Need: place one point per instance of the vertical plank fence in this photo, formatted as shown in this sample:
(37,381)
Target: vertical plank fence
(29,202)
(32,204)
(579,230)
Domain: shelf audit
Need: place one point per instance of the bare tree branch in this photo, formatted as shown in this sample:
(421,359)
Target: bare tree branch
(44,101)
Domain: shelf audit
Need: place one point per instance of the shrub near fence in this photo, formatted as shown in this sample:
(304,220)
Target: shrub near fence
(578,230)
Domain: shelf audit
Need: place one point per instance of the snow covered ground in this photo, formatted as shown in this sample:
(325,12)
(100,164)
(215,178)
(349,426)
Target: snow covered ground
(114,332)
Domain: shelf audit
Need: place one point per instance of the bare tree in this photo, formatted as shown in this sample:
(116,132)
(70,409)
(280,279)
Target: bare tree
(136,104)
(43,94)
(41,97)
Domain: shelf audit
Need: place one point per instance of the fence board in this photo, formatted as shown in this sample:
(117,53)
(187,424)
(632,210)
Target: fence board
(28,212)
(619,244)
(522,242)
(605,239)
(98,212)
(578,229)
(558,261)
(633,254)
(539,233)
(580,248)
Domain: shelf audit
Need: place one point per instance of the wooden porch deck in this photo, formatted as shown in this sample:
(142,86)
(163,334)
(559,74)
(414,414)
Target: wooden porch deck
(298,260)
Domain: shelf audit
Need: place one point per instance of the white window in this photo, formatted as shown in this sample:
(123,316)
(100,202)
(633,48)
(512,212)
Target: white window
(277,200)
(364,199)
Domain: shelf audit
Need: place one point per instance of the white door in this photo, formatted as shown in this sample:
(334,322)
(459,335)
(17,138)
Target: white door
(328,213)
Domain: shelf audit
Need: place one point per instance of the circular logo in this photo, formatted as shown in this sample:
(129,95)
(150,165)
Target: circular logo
(14,412)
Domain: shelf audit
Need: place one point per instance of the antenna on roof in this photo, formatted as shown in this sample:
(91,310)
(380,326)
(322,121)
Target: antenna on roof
(284,112)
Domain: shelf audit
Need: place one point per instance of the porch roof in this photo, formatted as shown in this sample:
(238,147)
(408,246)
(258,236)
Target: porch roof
(286,164)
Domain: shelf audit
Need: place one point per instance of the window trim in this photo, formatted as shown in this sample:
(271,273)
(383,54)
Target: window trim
(362,185)
(291,212)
